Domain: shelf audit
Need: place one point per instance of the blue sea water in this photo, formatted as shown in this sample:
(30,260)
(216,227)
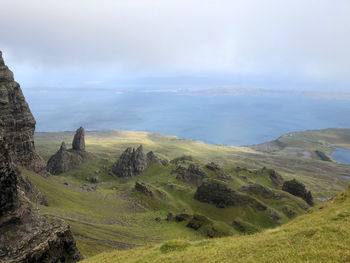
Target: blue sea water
(232,120)
(343,156)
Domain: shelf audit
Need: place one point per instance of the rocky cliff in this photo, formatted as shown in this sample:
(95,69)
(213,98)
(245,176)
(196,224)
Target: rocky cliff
(25,236)
(17,123)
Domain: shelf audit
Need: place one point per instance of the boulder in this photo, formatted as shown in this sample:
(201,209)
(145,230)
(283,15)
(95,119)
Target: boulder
(221,195)
(17,123)
(297,188)
(131,162)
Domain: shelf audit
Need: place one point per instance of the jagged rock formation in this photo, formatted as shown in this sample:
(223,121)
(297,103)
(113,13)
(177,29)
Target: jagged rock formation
(64,160)
(134,161)
(221,195)
(130,163)
(298,189)
(78,143)
(26,236)
(193,174)
(17,123)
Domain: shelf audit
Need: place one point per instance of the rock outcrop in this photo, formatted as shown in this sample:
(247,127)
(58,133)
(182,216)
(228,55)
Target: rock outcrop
(221,195)
(78,143)
(133,162)
(25,236)
(260,190)
(64,160)
(193,174)
(296,188)
(17,123)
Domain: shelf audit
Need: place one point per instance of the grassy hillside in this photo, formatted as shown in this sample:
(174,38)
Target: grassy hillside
(323,178)
(321,235)
(115,216)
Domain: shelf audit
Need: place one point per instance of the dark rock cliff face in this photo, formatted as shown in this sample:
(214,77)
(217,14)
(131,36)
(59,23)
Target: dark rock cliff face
(25,236)
(17,123)
(8,183)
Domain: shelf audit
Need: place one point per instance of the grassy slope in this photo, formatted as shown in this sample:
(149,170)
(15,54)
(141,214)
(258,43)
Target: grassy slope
(323,178)
(321,235)
(114,217)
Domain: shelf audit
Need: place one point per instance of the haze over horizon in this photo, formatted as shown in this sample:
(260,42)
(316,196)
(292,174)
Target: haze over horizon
(297,45)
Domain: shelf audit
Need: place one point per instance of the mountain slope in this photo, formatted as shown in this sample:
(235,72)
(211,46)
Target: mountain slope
(321,235)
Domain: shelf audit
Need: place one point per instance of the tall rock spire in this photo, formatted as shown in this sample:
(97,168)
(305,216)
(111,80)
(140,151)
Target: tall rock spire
(17,123)
(78,143)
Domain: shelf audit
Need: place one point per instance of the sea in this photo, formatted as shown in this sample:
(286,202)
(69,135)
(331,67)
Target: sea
(224,119)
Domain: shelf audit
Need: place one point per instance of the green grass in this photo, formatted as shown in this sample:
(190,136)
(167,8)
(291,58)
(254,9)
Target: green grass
(321,235)
(118,217)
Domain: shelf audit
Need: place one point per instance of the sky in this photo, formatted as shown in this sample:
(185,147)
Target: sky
(299,44)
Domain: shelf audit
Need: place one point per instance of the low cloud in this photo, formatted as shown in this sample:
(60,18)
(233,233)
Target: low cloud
(112,40)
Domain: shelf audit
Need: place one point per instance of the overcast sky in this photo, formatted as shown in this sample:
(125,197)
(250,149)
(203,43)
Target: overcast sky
(75,43)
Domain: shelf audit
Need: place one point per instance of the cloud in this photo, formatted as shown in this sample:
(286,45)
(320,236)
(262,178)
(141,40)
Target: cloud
(111,39)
